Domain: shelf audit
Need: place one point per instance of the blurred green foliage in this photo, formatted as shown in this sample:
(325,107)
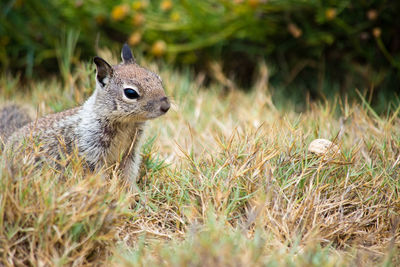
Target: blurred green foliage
(355,44)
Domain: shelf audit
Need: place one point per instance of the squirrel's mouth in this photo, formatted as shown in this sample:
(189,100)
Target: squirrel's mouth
(142,117)
(155,109)
(156,115)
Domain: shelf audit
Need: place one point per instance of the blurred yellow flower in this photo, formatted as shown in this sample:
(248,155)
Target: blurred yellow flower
(376,32)
(294,30)
(175,16)
(330,13)
(135,38)
(119,12)
(138,19)
(166,5)
(159,48)
(372,14)
(138,5)
(254,3)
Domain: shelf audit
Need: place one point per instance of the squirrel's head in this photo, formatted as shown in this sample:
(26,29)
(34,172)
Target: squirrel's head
(129,92)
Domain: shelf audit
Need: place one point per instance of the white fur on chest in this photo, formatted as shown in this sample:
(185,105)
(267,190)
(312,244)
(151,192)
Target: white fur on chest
(120,138)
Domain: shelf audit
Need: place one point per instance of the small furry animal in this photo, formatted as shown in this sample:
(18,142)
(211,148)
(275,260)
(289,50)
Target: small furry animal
(107,129)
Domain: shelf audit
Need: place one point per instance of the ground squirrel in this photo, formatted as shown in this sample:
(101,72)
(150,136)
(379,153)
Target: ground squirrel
(107,128)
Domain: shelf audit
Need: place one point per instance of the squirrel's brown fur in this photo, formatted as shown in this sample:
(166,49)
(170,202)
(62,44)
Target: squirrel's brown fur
(107,128)
(12,117)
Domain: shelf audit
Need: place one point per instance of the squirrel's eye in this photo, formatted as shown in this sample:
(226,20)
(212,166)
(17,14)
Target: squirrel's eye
(130,93)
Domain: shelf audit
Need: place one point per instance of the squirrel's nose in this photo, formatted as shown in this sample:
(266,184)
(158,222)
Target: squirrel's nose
(164,107)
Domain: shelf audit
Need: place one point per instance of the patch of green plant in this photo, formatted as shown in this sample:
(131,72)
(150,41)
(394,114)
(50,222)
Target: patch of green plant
(323,48)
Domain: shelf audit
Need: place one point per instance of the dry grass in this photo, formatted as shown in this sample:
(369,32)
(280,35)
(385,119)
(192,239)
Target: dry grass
(226,181)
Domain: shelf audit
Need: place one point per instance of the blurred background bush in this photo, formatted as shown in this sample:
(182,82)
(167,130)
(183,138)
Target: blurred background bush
(315,47)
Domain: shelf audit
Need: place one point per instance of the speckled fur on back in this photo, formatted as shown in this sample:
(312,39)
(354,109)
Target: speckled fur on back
(109,126)
(12,117)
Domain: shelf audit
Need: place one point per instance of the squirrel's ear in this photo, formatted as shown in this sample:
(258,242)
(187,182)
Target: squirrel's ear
(126,55)
(104,70)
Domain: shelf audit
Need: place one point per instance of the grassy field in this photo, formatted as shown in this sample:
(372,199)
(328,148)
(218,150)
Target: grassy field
(227,180)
